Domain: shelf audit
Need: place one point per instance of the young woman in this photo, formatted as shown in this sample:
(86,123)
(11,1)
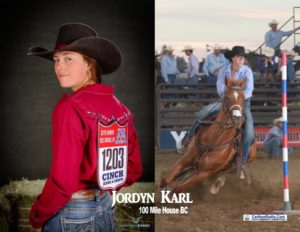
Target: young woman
(236,70)
(95,147)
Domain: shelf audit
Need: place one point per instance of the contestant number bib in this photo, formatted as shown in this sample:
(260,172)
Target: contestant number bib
(112,155)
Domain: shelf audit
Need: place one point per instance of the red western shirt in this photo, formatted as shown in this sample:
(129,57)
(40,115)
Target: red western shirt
(74,147)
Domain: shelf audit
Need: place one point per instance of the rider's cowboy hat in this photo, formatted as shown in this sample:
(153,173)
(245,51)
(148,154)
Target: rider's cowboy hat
(235,51)
(82,38)
(277,120)
(273,22)
(187,48)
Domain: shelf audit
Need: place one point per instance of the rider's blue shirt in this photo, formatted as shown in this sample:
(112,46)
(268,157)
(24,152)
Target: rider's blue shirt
(243,73)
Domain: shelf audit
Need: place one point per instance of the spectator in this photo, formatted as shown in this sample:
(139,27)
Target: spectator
(290,65)
(168,66)
(267,65)
(193,65)
(273,140)
(163,50)
(169,71)
(192,70)
(213,64)
(157,68)
(273,37)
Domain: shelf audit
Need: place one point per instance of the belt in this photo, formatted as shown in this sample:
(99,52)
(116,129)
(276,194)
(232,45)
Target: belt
(88,194)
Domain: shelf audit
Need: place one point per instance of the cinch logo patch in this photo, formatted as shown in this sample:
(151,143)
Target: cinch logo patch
(112,155)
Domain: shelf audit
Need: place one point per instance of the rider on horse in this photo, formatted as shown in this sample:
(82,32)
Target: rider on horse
(238,71)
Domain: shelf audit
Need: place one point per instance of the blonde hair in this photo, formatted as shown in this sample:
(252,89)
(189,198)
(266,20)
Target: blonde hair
(94,72)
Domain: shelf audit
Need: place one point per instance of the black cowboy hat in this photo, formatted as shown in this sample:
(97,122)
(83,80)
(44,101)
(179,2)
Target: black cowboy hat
(82,38)
(235,51)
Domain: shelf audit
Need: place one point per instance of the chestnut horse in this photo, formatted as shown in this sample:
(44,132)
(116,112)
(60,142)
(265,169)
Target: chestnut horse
(215,147)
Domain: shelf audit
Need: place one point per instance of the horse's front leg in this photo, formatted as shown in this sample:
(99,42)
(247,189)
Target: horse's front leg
(192,182)
(177,168)
(185,161)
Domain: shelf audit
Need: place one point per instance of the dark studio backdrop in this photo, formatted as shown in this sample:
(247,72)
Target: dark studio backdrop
(29,89)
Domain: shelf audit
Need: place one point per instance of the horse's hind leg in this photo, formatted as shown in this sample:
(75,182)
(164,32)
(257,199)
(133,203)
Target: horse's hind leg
(252,153)
(245,172)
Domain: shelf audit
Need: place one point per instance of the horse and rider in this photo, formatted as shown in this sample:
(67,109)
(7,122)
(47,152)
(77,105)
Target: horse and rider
(213,146)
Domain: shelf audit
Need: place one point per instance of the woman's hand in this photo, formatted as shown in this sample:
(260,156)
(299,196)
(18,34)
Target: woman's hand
(38,229)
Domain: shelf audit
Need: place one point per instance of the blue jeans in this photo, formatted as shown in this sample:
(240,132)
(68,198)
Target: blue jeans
(193,81)
(277,52)
(171,79)
(207,110)
(212,79)
(290,70)
(273,147)
(84,215)
(248,131)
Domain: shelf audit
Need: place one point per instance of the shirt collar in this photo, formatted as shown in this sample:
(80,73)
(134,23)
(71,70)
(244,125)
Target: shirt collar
(99,88)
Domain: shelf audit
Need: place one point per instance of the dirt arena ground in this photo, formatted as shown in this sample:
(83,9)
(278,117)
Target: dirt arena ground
(224,212)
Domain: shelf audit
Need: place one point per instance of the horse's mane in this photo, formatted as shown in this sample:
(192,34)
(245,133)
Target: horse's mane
(235,83)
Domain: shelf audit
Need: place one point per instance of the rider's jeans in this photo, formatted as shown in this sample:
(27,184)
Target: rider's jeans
(248,131)
(207,110)
(84,215)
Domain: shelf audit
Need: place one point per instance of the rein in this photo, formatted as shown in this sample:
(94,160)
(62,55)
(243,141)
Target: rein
(236,140)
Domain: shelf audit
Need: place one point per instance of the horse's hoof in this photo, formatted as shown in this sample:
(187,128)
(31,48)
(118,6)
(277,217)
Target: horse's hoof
(215,188)
(246,172)
(217,185)
(242,176)
(165,189)
(249,180)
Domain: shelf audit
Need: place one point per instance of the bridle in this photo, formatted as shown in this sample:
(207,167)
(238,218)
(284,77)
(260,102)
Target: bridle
(229,112)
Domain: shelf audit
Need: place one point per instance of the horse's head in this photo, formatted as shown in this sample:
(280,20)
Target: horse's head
(234,101)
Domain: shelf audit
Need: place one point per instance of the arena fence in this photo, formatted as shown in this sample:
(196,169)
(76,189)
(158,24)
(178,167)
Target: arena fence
(177,105)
